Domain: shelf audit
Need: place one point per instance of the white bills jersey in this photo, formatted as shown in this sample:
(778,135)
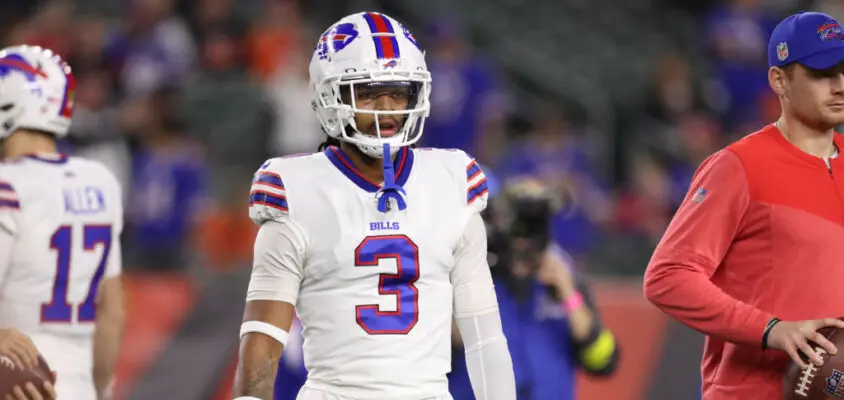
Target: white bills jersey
(63,217)
(375,291)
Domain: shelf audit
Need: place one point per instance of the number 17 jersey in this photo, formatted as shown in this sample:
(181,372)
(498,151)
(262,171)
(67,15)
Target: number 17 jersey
(375,294)
(64,217)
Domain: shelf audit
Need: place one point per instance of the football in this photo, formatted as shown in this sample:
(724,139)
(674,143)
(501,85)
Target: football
(818,383)
(11,376)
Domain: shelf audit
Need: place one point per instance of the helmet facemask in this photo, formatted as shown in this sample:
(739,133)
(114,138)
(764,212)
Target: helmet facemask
(344,96)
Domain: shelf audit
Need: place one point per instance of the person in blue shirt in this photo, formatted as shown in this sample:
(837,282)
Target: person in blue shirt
(547,311)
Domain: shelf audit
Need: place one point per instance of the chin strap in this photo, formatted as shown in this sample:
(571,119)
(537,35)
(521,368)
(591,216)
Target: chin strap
(390,190)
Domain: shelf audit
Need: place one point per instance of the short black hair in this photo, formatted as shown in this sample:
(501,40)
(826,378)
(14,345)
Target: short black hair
(329,141)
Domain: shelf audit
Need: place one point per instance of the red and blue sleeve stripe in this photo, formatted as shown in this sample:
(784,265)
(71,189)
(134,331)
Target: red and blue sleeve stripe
(259,197)
(476,180)
(8,197)
(269,179)
(472,171)
(268,190)
(383,34)
(476,191)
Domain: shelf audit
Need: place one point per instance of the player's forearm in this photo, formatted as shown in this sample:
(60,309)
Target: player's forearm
(678,288)
(107,337)
(257,367)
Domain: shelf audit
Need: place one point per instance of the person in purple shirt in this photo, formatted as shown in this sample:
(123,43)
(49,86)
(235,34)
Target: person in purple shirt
(468,101)
(166,194)
(553,153)
(736,33)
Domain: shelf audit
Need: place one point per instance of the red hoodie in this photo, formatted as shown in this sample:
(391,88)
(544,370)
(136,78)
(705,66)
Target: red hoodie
(760,234)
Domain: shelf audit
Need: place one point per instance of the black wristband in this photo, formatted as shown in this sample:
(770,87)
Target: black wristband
(768,328)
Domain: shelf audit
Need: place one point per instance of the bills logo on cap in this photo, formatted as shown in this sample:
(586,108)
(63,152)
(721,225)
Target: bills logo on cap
(830,30)
(782,51)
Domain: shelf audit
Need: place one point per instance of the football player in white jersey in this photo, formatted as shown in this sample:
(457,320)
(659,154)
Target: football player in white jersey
(376,246)
(60,223)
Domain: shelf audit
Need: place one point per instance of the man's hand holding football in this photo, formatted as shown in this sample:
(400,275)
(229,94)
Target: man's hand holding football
(791,336)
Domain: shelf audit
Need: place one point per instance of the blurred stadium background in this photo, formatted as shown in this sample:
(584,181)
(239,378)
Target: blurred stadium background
(614,102)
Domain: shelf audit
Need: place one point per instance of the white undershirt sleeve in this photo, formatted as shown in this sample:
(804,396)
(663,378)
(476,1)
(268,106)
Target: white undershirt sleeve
(488,359)
(278,260)
(474,293)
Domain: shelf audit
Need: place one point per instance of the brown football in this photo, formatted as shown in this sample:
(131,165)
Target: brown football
(11,376)
(818,383)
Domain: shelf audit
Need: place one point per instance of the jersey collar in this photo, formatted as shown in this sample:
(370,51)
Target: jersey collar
(402,165)
(51,158)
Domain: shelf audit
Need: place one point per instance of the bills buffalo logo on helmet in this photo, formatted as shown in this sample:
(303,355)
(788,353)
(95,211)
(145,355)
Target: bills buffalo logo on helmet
(410,37)
(335,39)
(14,62)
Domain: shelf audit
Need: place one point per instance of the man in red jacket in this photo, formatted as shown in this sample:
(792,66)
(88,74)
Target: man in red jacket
(754,257)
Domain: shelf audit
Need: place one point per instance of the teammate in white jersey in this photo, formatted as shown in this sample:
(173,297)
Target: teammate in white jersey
(377,245)
(60,223)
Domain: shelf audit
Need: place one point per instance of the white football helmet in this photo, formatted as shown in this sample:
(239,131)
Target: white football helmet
(37,89)
(368,49)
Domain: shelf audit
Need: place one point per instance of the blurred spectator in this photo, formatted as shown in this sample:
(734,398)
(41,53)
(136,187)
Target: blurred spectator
(230,112)
(210,17)
(737,34)
(674,91)
(643,207)
(18,33)
(168,187)
(55,25)
(89,40)
(674,95)
(700,136)
(274,37)
(14,16)
(297,129)
(553,153)
(835,8)
(152,49)
(468,103)
(225,232)
(95,132)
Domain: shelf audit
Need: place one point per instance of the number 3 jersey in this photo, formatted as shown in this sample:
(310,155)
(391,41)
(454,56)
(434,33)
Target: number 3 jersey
(374,290)
(60,221)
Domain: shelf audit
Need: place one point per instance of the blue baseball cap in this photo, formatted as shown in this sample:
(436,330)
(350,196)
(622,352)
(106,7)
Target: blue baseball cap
(813,39)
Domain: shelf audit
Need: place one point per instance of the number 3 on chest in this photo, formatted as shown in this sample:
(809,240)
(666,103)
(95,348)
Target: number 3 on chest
(400,248)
